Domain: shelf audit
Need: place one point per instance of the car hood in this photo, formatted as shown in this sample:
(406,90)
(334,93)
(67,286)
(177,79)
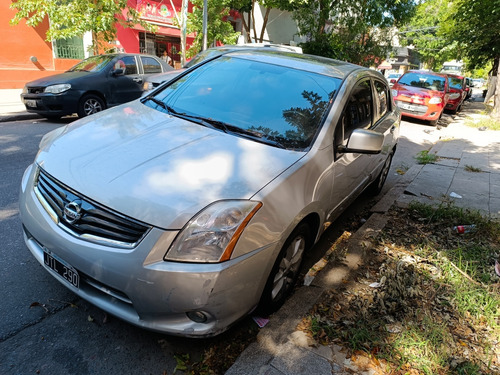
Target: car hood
(157,168)
(410,91)
(67,77)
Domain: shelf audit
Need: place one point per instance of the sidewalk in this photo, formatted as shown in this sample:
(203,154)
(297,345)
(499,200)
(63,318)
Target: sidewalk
(467,172)
(11,107)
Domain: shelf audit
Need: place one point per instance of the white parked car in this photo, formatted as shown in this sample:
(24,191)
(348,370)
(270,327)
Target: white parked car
(185,210)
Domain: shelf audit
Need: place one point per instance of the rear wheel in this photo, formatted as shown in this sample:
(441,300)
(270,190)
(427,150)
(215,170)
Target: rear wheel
(376,186)
(89,105)
(285,270)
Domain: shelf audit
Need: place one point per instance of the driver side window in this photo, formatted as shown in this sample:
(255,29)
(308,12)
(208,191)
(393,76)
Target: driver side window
(130,65)
(357,114)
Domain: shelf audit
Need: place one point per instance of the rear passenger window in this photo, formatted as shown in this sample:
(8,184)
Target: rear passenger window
(382,96)
(150,65)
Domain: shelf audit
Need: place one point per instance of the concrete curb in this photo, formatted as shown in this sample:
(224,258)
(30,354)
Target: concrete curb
(19,116)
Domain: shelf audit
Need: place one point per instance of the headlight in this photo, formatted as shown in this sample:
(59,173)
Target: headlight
(210,236)
(435,100)
(25,89)
(455,95)
(394,93)
(57,89)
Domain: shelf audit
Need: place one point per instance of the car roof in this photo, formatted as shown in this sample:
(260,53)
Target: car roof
(310,63)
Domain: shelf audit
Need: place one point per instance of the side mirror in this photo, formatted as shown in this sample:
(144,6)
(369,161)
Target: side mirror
(364,141)
(118,72)
(393,80)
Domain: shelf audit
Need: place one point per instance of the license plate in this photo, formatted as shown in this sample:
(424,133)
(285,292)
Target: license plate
(30,103)
(62,268)
(405,106)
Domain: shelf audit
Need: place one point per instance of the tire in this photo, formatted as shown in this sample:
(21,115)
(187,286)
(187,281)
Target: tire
(285,271)
(90,104)
(376,186)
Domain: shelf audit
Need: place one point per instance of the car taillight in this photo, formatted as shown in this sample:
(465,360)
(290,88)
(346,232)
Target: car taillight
(436,100)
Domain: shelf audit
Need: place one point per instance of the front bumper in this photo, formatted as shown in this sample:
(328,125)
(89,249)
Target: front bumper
(47,104)
(138,286)
(419,111)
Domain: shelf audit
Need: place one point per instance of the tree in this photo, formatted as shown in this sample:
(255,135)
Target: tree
(425,34)
(248,6)
(219,29)
(69,18)
(474,25)
(359,32)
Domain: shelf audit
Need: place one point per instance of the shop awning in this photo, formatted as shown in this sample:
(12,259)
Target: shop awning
(384,65)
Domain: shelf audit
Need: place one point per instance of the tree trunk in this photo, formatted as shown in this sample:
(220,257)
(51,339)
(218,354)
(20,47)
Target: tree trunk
(264,24)
(494,89)
(253,17)
(246,26)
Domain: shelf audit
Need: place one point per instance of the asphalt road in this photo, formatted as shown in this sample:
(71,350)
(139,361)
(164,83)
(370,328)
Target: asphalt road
(45,329)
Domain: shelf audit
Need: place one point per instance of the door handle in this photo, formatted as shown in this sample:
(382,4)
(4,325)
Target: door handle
(137,79)
(393,129)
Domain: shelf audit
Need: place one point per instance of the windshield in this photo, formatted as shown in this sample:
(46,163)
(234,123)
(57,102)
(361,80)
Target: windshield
(422,80)
(282,105)
(92,64)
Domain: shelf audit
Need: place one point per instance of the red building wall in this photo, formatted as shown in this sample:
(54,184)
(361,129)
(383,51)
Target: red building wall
(19,44)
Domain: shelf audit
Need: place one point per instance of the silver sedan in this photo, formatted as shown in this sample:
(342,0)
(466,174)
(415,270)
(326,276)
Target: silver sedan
(185,210)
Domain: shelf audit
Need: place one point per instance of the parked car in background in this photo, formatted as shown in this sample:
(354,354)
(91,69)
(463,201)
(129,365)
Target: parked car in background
(478,82)
(183,211)
(393,77)
(457,94)
(92,85)
(421,94)
(156,80)
(469,85)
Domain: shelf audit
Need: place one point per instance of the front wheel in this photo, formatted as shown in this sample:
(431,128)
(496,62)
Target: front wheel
(89,105)
(285,270)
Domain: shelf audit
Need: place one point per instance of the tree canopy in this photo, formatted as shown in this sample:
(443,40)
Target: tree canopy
(219,29)
(69,18)
(359,32)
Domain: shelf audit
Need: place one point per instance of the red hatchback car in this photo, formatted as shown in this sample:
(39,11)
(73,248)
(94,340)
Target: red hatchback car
(421,94)
(458,92)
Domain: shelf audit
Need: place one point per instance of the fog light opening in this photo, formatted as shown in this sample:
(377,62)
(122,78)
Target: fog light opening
(197,316)
(432,114)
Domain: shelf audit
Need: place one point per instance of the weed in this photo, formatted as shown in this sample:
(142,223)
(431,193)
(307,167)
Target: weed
(402,169)
(484,123)
(424,157)
(470,168)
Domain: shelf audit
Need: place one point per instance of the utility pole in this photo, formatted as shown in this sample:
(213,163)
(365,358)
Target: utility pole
(205,25)
(183,31)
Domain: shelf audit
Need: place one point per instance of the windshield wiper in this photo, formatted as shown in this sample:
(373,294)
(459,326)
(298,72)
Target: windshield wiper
(255,136)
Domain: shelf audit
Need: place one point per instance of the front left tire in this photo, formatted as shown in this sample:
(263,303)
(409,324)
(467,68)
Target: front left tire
(90,104)
(286,269)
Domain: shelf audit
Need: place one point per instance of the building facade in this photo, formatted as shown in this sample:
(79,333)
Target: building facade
(27,56)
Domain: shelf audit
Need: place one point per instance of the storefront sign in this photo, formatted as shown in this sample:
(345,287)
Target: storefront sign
(156,11)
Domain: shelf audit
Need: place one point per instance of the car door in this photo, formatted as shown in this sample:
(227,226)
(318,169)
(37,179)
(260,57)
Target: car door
(126,80)
(386,122)
(351,170)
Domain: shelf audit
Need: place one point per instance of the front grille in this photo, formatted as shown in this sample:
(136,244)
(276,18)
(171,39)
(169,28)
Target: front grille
(85,219)
(35,90)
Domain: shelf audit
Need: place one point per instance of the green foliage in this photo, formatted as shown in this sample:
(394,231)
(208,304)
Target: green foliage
(473,24)
(69,18)
(425,34)
(219,29)
(359,32)
(423,157)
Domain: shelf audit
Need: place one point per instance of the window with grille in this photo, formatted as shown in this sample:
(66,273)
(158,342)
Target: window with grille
(71,48)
